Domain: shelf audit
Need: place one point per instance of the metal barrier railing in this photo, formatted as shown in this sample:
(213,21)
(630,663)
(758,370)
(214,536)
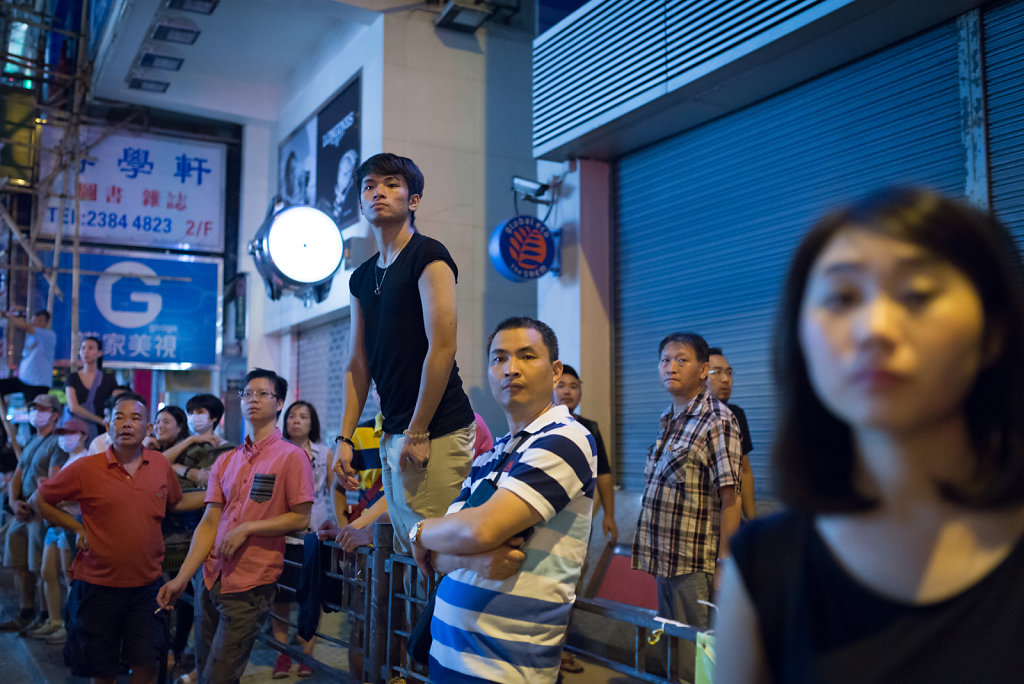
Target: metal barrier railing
(382,594)
(648,631)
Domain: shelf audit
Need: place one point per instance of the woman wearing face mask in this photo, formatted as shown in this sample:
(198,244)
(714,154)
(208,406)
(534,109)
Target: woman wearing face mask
(59,543)
(900,453)
(192,457)
(89,388)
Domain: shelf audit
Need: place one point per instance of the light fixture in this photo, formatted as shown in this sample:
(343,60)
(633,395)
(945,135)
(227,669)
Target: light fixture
(463,16)
(298,249)
(197,6)
(174,30)
(153,57)
(150,85)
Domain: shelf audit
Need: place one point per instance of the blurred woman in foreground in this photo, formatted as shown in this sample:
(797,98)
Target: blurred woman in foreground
(900,454)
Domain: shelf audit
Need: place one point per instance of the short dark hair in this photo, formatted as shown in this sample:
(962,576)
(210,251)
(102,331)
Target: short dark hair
(130,396)
(569,370)
(813,455)
(517,322)
(43,312)
(314,421)
(388,164)
(180,418)
(715,351)
(691,340)
(210,402)
(280,384)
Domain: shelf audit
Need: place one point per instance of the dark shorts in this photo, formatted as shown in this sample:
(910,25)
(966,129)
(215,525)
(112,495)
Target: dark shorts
(108,624)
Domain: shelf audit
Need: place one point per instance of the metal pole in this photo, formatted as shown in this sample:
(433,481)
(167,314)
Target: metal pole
(81,87)
(377,627)
(41,210)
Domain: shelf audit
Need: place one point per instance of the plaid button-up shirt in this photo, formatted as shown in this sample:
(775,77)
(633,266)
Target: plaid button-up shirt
(697,453)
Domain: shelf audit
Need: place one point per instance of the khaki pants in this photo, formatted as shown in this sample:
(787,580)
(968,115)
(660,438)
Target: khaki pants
(228,625)
(424,491)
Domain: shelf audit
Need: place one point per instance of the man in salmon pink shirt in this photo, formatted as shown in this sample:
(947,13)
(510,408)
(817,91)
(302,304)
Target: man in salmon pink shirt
(257,493)
(124,493)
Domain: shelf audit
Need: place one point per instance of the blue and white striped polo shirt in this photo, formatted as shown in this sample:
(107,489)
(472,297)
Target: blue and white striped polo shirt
(512,630)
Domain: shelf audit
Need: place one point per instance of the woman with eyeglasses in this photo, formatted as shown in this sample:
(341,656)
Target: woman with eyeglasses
(900,455)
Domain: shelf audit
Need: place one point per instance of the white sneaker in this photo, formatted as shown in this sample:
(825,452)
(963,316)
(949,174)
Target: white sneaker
(46,629)
(59,636)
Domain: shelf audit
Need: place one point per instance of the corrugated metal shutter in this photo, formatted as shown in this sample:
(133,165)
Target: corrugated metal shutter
(321,354)
(614,56)
(707,220)
(1004,70)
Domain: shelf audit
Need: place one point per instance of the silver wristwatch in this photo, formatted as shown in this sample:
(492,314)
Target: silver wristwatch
(414,532)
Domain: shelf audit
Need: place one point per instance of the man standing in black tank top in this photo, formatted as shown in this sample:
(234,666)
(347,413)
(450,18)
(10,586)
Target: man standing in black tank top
(403,337)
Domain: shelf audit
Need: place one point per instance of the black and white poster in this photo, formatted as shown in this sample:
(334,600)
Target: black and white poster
(297,165)
(318,162)
(337,156)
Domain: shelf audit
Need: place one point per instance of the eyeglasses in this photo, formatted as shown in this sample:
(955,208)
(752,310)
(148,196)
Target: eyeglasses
(718,371)
(261,394)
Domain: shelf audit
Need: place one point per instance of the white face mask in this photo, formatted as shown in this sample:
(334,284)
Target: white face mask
(198,422)
(40,418)
(69,443)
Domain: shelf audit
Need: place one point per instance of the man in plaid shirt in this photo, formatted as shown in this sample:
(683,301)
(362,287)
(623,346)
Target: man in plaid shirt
(691,503)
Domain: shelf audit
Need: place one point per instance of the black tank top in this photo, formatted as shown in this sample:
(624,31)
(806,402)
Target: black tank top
(821,625)
(396,340)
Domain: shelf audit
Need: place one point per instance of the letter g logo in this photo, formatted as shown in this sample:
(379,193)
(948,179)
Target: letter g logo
(105,292)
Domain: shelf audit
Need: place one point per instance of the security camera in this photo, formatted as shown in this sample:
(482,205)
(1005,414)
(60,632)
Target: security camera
(527,187)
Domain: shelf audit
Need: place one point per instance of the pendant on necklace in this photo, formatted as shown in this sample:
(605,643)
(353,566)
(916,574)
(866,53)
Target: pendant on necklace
(379,283)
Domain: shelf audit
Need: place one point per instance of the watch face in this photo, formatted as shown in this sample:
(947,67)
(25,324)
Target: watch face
(305,244)
(414,532)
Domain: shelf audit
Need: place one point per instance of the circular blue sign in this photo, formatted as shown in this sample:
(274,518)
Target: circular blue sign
(522,248)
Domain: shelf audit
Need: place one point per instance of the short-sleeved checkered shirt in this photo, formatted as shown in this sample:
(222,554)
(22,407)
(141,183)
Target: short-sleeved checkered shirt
(697,453)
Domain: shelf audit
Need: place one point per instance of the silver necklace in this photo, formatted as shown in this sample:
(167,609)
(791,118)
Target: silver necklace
(381,281)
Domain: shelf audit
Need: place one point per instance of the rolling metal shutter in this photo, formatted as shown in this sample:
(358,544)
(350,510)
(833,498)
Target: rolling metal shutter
(322,352)
(1004,68)
(707,220)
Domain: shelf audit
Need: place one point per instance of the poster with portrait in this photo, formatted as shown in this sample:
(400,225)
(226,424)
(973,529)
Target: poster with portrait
(317,164)
(338,156)
(296,167)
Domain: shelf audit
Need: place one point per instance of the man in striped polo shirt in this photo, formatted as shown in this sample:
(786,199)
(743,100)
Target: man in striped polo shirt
(513,542)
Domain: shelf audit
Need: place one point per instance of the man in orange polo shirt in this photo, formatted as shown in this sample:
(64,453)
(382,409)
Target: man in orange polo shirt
(124,493)
(257,493)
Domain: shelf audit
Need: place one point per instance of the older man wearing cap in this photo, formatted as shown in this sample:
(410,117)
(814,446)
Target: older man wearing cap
(23,545)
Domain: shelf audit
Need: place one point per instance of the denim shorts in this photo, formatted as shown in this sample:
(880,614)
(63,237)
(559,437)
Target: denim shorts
(59,537)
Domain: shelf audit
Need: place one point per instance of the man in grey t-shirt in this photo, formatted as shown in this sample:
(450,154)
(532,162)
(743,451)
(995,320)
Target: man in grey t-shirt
(35,372)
